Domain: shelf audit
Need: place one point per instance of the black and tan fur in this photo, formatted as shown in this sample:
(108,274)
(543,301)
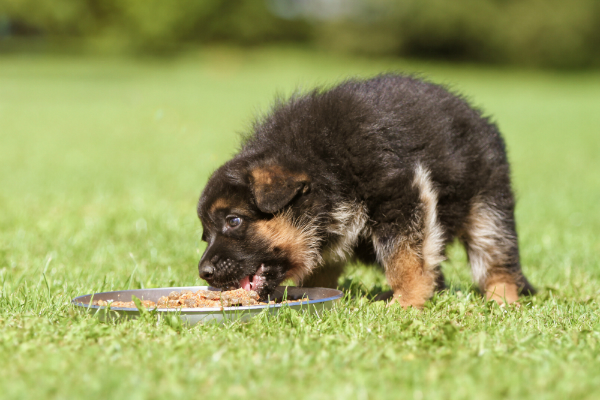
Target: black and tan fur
(387,170)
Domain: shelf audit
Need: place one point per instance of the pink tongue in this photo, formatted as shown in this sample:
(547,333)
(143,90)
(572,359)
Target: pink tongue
(257,281)
(245,283)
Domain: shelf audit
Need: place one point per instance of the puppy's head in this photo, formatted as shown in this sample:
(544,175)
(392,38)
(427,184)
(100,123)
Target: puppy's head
(255,226)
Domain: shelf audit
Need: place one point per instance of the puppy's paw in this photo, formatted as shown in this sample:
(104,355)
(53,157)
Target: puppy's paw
(405,302)
(502,292)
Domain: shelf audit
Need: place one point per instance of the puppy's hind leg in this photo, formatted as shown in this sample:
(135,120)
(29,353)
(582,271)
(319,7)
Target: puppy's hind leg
(492,246)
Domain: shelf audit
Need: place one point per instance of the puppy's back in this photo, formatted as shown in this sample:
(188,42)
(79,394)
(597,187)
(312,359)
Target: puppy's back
(367,133)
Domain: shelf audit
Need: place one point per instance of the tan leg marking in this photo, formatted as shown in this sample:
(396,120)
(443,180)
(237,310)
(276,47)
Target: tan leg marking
(412,271)
(489,246)
(502,289)
(488,243)
(411,283)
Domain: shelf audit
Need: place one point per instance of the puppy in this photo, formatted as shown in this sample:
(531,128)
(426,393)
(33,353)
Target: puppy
(386,171)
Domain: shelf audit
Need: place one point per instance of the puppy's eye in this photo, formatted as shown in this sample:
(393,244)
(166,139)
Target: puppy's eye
(234,221)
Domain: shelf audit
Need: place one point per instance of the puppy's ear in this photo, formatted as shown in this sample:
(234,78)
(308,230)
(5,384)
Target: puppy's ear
(274,187)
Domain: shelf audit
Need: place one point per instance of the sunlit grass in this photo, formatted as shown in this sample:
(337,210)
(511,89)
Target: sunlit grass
(102,161)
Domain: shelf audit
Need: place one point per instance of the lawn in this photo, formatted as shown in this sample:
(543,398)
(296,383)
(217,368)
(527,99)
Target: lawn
(101,164)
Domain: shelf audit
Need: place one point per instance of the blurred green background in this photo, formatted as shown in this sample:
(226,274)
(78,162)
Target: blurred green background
(544,33)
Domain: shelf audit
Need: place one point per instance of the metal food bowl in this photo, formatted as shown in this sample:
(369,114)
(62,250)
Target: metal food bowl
(319,299)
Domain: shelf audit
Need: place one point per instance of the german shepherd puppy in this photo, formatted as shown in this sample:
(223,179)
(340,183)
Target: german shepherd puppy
(386,171)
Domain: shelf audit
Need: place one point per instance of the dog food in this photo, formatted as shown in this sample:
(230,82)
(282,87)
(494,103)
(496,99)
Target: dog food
(199,299)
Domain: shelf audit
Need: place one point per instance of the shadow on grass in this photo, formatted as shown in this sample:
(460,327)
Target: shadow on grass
(381,292)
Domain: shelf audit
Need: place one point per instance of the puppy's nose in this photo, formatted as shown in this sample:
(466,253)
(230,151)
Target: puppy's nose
(207,272)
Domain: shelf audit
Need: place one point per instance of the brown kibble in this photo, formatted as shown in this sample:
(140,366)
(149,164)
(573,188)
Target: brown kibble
(235,301)
(200,299)
(163,301)
(249,302)
(190,303)
(209,294)
(212,295)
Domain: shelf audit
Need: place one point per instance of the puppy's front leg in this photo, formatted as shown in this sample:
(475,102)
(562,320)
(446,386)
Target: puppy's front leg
(411,281)
(411,248)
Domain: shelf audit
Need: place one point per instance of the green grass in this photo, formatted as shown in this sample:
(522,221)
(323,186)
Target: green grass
(102,161)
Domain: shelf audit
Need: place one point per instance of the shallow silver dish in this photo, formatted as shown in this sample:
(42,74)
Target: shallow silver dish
(319,299)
